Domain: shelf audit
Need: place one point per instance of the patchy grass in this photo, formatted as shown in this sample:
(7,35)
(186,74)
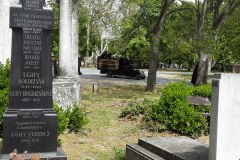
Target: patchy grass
(106,136)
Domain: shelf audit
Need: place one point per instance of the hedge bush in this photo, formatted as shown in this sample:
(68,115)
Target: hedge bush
(4,75)
(203,90)
(176,113)
(4,91)
(173,110)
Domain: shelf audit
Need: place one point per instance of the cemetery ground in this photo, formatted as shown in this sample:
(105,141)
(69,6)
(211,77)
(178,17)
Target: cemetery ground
(106,135)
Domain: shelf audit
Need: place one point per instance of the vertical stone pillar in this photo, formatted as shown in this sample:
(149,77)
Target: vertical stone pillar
(5,31)
(66,87)
(67,64)
(75,34)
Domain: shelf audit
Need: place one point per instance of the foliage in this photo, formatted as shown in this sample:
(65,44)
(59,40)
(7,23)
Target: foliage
(4,93)
(72,118)
(4,75)
(203,108)
(4,90)
(119,153)
(63,119)
(55,33)
(228,42)
(175,111)
(203,90)
(134,109)
(77,118)
(172,110)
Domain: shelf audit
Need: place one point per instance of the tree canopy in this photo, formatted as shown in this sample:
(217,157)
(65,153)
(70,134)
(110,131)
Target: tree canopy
(161,31)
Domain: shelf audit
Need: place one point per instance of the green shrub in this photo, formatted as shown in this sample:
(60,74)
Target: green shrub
(119,153)
(203,90)
(63,119)
(77,118)
(203,109)
(4,94)
(4,90)
(4,75)
(174,111)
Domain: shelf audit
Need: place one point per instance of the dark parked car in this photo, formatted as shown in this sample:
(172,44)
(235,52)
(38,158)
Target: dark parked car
(119,66)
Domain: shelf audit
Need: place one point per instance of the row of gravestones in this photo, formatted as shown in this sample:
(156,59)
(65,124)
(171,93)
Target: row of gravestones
(224,130)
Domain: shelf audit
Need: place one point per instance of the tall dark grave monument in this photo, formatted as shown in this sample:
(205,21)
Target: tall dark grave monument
(30,123)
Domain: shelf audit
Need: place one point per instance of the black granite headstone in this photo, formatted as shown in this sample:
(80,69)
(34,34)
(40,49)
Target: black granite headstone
(30,123)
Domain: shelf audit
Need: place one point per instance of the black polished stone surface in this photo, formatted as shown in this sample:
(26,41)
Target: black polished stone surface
(167,148)
(30,123)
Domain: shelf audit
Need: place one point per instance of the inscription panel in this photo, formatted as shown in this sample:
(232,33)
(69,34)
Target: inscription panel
(31,86)
(30,127)
(31,5)
(28,19)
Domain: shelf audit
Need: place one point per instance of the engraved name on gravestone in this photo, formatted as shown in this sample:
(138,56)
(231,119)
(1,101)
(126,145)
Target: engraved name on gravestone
(29,122)
(31,82)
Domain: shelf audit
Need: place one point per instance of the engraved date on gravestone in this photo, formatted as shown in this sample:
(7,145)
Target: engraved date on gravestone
(31,126)
(32,85)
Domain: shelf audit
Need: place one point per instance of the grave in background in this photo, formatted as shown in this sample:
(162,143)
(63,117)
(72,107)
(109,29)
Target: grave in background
(30,123)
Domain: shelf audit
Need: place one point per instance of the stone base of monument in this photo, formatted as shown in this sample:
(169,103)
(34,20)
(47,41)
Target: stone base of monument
(58,155)
(167,148)
(67,91)
(31,130)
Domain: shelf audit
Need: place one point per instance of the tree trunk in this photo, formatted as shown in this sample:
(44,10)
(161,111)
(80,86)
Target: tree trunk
(153,59)
(200,73)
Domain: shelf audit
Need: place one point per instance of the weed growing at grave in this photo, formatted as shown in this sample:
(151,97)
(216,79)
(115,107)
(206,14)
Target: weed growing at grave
(77,118)
(63,119)
(134,109)
(72,118)
(119,153)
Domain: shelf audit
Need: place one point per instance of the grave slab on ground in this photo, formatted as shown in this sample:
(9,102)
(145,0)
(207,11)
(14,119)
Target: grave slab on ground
(167,148)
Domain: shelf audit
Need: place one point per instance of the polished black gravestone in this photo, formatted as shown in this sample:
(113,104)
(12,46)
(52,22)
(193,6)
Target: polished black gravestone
(167,148)
(30,123)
